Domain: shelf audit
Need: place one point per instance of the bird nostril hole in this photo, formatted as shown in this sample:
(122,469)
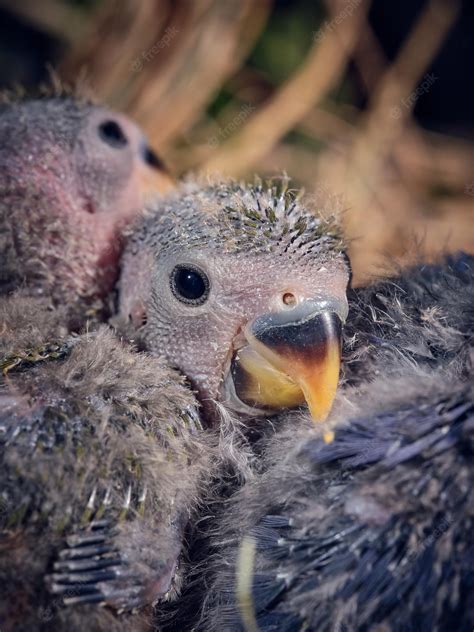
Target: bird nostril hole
(152,159)
(289,299)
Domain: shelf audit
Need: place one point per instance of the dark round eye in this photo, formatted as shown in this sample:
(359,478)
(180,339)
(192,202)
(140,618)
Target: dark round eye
(190,284)
(112,134)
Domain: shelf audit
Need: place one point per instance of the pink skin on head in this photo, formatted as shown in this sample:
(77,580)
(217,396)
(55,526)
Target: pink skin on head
(75,177)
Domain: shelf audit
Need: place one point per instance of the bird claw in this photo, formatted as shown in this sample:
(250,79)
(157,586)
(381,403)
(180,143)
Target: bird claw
(92,570)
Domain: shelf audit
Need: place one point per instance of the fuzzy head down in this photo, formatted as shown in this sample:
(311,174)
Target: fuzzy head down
(207,262)
(72,174)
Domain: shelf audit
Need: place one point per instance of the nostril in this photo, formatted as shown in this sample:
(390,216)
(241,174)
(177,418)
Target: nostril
(152,159)
(90,207)
(289,299)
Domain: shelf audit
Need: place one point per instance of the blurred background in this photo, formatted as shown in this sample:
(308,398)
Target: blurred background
(370,100)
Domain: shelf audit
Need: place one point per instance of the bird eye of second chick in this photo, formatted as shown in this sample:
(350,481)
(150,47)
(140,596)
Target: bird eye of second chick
(112,134)
(244,291)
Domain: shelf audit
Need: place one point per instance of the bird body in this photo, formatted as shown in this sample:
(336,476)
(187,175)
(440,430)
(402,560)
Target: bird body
(102,465)
(374,530)
(242,289)
(102,451)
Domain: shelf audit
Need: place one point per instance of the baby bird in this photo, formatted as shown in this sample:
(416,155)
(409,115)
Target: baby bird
(243,291)
(376,529)
(72,176)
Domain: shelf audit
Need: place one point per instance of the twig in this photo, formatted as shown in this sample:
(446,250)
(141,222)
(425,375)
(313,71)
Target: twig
(321,70)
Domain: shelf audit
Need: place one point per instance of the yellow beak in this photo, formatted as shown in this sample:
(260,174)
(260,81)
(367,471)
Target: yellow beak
(291,357)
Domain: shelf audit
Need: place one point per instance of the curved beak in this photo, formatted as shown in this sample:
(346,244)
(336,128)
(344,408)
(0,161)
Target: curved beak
(292,356)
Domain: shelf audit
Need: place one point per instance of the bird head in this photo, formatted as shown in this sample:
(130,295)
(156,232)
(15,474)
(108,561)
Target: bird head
(243,289)
(72,175)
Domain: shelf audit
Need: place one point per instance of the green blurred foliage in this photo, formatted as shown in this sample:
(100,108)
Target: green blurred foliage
(286,39)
